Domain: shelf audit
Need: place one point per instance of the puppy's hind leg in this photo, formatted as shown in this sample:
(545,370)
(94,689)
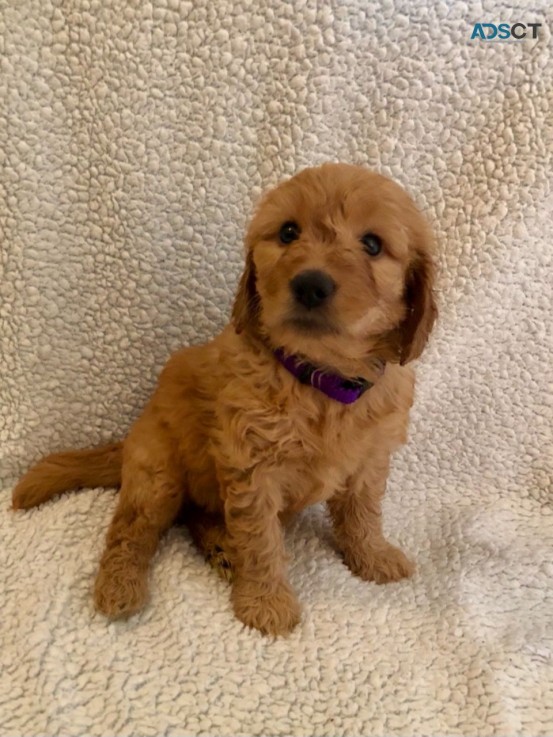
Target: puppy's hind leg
(209,534)
(151,495)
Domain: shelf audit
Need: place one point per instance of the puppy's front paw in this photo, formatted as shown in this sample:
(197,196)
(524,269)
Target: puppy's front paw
(382,566)
(120,592)
(272,611)
(219,560)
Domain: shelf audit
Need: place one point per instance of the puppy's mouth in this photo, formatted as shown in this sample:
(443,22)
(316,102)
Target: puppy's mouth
(308,323)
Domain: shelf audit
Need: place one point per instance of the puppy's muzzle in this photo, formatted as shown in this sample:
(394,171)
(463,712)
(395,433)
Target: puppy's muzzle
(312,288)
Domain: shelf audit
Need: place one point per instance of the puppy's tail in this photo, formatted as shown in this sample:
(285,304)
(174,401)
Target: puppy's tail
(71,470)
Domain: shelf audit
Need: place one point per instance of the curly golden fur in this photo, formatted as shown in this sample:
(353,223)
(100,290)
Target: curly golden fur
(235,444)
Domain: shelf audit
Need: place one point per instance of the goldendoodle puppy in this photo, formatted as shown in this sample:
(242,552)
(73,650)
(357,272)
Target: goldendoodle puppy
(301,399)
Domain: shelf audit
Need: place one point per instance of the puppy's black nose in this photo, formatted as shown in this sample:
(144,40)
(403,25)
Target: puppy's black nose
(312,288)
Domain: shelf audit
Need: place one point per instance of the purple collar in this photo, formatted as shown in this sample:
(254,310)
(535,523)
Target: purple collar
(345,391)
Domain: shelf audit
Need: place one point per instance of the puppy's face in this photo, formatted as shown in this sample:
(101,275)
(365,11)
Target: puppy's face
(338,269)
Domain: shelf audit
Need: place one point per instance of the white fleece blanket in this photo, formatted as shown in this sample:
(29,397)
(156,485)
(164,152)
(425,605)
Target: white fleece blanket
(135,137)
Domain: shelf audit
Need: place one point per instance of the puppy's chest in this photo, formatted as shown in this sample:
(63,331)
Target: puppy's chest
(320,455)
(326,438)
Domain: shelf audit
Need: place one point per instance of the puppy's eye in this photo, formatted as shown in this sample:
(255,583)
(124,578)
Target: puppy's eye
(372,243)
(289,232)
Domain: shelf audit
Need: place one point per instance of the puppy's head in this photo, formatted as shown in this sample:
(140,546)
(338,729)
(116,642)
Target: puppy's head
(338,269)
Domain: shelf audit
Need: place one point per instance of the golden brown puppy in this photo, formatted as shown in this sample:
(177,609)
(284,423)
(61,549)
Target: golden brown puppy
(300,400)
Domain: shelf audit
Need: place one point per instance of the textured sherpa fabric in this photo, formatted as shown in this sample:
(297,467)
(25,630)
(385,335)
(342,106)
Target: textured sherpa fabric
(136,137)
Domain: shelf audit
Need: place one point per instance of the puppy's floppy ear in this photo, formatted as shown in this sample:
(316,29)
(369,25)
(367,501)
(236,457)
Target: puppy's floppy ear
(245,310)
(415,328)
